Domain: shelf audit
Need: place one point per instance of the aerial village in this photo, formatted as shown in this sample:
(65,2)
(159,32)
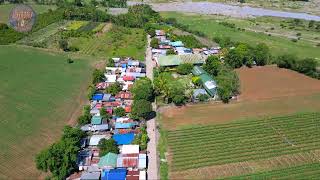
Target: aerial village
(183,55)
(131,161)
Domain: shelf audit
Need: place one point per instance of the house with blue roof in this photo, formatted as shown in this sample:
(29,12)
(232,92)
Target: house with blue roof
(114,174)
(123,139)
(97,97)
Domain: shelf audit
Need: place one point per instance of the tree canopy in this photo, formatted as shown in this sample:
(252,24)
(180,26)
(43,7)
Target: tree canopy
(97,76)
(108,145)
(60,158)
(114,88)
(143,89)
(141,109)
(185,68)
(119,111)
(212,65)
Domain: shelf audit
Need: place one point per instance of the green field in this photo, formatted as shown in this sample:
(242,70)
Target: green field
(119,41)
(39,93)
(210,26)
(242,141)
(307,171)
(6,8)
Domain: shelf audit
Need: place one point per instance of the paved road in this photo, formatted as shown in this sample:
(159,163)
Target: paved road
(153,163)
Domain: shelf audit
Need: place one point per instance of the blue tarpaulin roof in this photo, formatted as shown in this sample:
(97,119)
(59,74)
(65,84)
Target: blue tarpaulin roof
(124,125)
(97,97)
(114,174)
(122,139)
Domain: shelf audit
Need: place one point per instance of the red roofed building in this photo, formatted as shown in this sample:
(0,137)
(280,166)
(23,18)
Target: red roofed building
(133,175)
(124,95)
(128,78)
(127,109)
(128,160)
(112,104)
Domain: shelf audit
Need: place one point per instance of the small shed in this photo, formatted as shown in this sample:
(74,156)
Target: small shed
(95,139)
(90,176)
(122,139)
(97,97)
(130,149)
(198,92)
(209,84)
(197,71)
(108,161)
(142,161)
(114,174)
(95,120)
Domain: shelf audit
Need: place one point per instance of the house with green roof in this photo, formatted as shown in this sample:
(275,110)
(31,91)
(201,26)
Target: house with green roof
(108,161)
(207,81)
(176,60)
(96,120)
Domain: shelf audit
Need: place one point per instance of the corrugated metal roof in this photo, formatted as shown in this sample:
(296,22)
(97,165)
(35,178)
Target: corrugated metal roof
(95,120)
(209,84)
(197,70)
(90,176)
(109,160)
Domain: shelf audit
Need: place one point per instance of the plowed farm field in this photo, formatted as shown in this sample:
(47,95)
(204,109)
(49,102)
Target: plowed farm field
(265,91)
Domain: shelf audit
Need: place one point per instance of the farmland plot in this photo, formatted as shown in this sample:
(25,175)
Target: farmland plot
(243,141)
(39,38)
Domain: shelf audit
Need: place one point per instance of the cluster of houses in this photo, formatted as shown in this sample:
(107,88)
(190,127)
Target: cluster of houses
(131,162)
(195,56)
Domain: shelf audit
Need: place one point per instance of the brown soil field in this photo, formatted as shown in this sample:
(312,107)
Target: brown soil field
(265,91)
(268,82)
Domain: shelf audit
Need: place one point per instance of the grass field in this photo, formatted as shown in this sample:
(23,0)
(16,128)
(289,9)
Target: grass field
(6,8)
(39,94)
(210,26)
(118,41)
(244,141)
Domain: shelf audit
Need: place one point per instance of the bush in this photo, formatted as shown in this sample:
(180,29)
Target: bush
(184,68)
(73,48)
(69,61)
(203,97)
(171,52)
(119,111)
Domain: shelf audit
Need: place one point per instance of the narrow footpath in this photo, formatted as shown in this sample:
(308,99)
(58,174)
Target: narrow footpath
(153,158)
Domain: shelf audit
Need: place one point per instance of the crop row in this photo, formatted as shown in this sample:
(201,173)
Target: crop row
(214,145)
(255,124)
(306,171)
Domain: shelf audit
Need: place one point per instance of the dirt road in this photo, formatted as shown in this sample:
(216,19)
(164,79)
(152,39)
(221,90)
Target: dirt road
(153,163)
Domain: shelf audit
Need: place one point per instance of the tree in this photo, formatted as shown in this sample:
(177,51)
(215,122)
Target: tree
(261,54)
(114,88)
(63,44)
(60,158)
(287,61)
(85,118)
(228,83)
(143,89)
(119,111)
(94,2)
(104,114)
(170,52)
(97,76)
(110,62)
(91,91)
(154,43)
(306,66)
(185,68)
(212,65)
(141,109)
(107,146)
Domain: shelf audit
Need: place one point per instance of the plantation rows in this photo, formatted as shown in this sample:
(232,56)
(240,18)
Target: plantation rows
(43,34)
(307,171)
(237,142)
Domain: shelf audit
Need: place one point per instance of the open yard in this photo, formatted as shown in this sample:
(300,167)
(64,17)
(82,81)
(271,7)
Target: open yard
(246,147)
(279,42)
(39,94)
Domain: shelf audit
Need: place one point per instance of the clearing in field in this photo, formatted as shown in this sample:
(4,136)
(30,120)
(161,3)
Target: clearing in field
(244,147)
(211,26)
(39,93)
(265,91)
